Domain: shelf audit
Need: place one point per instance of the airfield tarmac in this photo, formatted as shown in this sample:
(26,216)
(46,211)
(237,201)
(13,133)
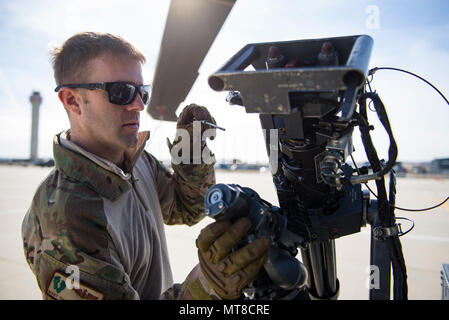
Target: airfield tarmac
(425,248)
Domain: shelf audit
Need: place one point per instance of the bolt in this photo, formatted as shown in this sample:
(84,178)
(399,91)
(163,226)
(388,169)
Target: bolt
(327,48)
(274,59)
(273,52)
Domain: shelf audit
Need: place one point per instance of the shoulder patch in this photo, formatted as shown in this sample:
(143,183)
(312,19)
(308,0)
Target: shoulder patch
(59,290)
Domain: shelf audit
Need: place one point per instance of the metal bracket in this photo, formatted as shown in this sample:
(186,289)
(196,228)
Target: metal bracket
(380,233)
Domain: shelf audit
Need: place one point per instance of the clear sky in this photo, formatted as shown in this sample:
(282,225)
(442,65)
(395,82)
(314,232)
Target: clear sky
(413,35)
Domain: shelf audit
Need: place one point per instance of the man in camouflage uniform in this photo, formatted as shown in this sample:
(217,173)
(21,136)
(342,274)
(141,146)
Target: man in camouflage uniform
(95,226)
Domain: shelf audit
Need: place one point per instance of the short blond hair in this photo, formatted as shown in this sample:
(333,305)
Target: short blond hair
(71,59)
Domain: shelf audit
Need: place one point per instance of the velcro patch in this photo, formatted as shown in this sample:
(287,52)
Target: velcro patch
(58,289)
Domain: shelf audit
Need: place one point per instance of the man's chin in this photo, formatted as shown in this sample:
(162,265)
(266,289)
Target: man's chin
(127,140)
(132,142)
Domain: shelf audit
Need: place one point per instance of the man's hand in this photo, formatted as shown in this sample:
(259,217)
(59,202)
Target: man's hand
(194,112)
(191,135)
(230,272)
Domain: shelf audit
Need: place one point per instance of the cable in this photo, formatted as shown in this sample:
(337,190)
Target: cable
(410,229)
(425,209)
(384,212)
(396,207)
(368,82)
(372,71)
(364,127)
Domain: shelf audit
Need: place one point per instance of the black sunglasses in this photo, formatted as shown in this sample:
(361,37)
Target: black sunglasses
(121,93)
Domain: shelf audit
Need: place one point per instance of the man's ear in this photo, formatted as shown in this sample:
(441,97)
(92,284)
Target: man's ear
(70,99)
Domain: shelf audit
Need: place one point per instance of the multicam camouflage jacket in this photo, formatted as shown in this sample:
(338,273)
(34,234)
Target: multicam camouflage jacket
(94,231)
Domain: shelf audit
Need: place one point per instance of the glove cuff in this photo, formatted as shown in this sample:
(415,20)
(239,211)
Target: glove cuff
(198,287)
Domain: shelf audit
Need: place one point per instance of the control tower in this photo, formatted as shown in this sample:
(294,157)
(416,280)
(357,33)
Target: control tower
(36,101)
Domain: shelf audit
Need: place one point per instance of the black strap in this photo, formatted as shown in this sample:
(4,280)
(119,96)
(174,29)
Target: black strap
(385,211)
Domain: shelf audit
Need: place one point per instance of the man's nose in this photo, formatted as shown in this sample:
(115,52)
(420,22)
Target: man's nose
(136,105)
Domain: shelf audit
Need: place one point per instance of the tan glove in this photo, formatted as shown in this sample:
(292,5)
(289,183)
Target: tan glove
(230,272)
(194,112)
(189,114)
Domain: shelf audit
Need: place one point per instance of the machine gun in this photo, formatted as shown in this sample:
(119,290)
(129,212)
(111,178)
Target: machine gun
(310,95)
